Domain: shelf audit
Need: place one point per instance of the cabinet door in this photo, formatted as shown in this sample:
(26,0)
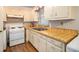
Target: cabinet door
(2,14)
(52,48)
(62,12)
(31,40)
(42,46)
(48,12)
(56,12)
(36,41)
(31,37)
(27,35)
(35,15)
(1,41)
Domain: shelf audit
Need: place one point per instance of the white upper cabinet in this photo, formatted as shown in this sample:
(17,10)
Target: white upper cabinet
(62,12)
(58,12)
(48,12)
(2,14)
(35,14)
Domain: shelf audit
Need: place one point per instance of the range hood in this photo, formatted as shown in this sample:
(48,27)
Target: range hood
(15,16)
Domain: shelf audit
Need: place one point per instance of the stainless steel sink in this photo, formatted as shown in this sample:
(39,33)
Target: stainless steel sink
(40,29)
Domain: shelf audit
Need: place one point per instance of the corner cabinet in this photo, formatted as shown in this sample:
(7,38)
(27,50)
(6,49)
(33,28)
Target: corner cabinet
(27,35)
(37,41)
(2,14)
(58,12)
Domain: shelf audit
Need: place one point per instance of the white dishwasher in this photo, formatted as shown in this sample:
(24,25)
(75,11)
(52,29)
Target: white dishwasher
(16,34)
(73,46)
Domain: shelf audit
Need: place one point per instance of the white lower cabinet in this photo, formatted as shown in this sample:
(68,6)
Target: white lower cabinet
(31,38)
(27,35)
(52,48)
(39,42)
(1,42)
(45,44)
(36,41)
(42,46)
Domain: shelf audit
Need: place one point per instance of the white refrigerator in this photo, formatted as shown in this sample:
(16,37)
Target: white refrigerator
(2,37)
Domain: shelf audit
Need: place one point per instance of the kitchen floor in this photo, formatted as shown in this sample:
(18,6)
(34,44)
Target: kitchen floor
(26,47)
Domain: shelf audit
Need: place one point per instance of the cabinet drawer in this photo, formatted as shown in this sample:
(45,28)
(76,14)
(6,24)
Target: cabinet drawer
(31,39)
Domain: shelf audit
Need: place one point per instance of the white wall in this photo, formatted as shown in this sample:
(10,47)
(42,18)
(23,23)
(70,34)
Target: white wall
(54,23)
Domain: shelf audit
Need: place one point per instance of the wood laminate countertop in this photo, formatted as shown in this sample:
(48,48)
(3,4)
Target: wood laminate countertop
(63,35)
(60,34)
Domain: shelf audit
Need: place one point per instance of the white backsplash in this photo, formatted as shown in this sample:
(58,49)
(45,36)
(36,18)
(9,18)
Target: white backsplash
(66,24)
(72,25)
